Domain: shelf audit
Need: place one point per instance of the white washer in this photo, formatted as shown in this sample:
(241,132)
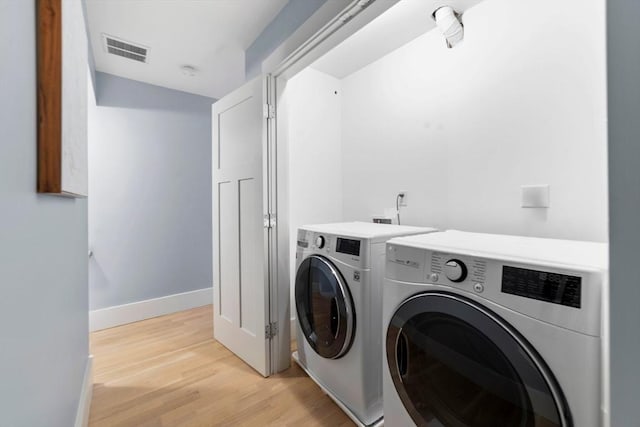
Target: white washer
(338,290)
(489,330)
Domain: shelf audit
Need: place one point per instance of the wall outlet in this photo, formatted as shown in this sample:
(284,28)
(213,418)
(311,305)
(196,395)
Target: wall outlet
(535,196)
(403,199)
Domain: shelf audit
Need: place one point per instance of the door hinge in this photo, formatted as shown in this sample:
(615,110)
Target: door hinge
(270,330)
(269,221)
(269,111)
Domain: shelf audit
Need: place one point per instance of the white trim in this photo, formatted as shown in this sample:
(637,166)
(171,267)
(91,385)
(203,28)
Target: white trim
(136,311)
(329,26)
(86,392)
(316,22)
(351,19)
(605,339)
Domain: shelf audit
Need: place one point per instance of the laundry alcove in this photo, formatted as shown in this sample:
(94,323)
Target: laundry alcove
(460,130)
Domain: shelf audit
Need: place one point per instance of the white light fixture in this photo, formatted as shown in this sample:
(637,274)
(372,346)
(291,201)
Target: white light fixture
(189,70)
(447,20)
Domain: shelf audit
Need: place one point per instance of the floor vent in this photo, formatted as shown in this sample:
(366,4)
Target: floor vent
(125,49)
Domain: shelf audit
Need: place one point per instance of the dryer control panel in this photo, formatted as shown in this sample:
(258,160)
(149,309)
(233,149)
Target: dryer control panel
(561,295)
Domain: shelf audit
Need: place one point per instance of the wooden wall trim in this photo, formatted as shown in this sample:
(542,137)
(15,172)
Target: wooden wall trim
(49,51)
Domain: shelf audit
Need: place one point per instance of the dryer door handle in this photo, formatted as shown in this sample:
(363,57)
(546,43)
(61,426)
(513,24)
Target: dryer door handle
(402,355)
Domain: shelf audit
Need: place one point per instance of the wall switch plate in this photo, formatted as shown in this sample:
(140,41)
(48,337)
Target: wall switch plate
(535,196)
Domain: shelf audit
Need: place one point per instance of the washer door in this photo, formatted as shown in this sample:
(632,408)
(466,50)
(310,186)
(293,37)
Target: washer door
(455,363)
(324,307)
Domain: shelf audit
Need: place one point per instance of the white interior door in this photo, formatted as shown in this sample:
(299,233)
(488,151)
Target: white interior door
(240,236)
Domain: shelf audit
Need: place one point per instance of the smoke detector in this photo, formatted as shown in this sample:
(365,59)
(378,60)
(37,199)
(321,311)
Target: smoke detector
(189,70)
(125,49)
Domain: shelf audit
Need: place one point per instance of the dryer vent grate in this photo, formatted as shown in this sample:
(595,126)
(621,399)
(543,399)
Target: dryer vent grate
(125,49)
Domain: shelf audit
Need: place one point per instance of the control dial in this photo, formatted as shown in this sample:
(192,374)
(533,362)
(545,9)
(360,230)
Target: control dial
(320,242)
(455,270)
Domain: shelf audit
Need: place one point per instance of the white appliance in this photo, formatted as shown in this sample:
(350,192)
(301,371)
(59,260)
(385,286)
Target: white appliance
(338,289)
(490,330)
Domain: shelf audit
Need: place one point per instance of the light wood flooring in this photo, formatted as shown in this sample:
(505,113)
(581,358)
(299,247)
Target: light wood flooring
(169,371)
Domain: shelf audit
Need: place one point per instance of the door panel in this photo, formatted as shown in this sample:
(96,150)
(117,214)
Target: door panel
(250,226)
(228,251)
(238,140)
(240,181)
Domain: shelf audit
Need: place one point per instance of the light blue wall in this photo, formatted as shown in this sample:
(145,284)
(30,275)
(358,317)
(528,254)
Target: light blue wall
(294,14)
(150,187)
(623,49)
(43,254)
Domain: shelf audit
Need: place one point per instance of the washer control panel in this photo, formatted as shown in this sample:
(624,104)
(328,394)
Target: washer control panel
(567,296)
(348,246)
(344,248)
(455,270)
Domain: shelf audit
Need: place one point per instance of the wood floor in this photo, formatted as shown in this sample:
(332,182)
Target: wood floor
(169,371)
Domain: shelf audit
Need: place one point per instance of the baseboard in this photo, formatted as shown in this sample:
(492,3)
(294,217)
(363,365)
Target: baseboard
(86,392)
(136,311)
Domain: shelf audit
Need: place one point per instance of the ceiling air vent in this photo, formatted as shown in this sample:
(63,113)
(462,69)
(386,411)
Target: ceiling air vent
(125,49)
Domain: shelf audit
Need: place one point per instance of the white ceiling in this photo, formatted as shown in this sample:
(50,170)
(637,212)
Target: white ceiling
(402,23)
(211,35)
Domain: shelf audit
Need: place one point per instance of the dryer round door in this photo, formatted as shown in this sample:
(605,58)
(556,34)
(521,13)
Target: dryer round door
(324,307)
(455,363)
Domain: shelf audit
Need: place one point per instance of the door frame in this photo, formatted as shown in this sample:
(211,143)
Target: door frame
(346,22)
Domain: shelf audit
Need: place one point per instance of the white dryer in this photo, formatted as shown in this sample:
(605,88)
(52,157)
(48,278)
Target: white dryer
(338,290)
(489,330)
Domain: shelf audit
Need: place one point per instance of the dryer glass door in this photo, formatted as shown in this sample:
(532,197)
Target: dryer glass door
(324,307)
(455,363)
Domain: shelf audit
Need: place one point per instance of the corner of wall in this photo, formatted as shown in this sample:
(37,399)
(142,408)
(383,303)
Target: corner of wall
(86,394)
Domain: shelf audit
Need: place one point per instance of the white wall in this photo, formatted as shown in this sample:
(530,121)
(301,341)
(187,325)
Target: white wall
(312,101)
(521,101)
(43,253)
(623,35)
(150,186)
(74,174)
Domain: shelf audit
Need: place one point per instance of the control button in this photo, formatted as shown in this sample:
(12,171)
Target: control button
(478,287)
(320,242)
(433,277)
(455,270)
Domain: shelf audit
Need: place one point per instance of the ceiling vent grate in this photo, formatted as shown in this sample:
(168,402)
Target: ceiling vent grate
(125,49)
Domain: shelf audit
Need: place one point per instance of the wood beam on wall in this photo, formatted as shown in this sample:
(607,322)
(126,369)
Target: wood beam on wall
(49,42)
